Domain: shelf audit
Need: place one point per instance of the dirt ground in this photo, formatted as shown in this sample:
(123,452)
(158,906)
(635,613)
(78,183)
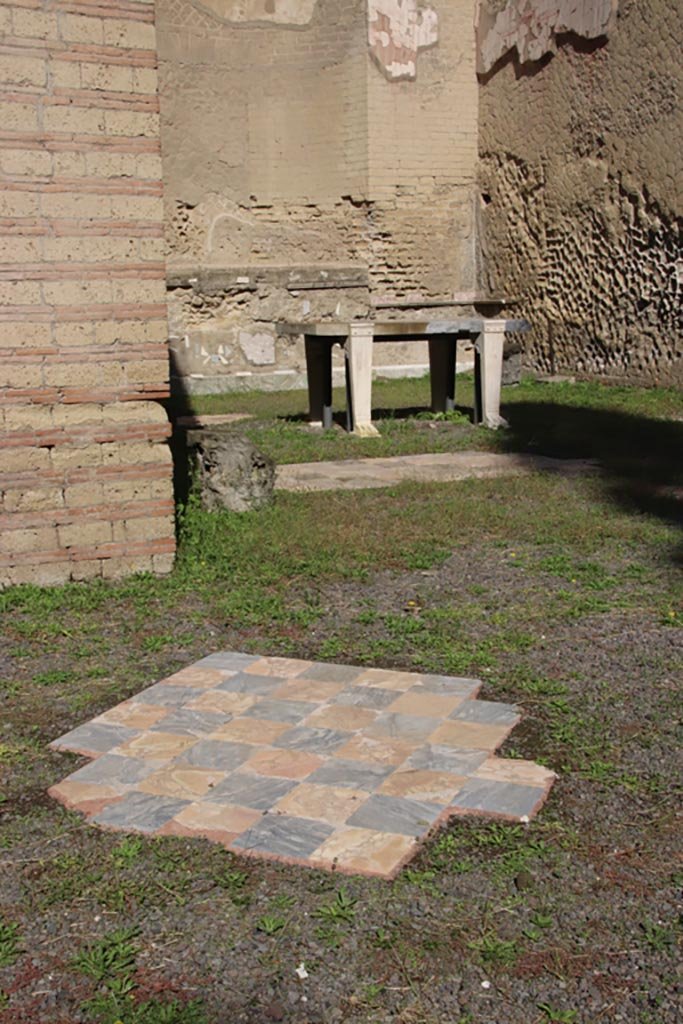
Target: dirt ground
(572,918)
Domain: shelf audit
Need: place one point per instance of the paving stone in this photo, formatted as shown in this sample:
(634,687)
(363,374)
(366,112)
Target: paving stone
(252,791)
(410,727)
(446,759)
(94,739)
(187,722)
(355,774)
(487,712)
(233,661)
(451,685)
(332,673)
(321,803)
(282,836)
(140,812)
(258,686)
(316,741)
(281,710)
(167,696)
(286,764)
(219,754)
(350,766)
(365,851)
(395,814)
(366,697)
(505,798)
(114,770)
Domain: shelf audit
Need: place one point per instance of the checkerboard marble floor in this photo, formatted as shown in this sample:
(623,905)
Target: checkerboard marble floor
(331,766)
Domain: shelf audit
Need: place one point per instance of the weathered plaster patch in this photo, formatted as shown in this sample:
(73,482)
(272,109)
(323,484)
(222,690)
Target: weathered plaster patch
(397,30)
(283,12)
(259,349)
(531,26)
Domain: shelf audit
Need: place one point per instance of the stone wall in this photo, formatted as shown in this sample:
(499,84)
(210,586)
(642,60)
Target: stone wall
(582,180)
(319,157)
(85,471)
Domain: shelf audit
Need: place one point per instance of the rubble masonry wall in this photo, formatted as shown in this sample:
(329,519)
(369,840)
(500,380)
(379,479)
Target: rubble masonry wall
(581,181)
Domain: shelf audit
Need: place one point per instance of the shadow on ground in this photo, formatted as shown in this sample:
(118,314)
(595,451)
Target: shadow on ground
(640,458)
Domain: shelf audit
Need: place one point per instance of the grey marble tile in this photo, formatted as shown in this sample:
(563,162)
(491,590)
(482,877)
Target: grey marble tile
(219,754)
(398,726)
(258,686)
(486,712)
(114,769)
(446,759)
(280,710)
(314,741)
(284,836)
(95,738)
(451,685)
(508,798)
(166,695)
(254,791)
(395,814)
(231,661)
(140,812)
(366,697)
(187,722)
(332,673)
(351,774)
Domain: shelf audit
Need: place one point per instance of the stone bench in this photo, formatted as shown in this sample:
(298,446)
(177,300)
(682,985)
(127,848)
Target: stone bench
(357,338)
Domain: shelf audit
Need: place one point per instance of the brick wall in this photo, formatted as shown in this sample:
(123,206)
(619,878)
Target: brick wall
(311,139)
(85,470)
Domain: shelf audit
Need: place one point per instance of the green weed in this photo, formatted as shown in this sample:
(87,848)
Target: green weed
(112,958)
(270,924)
(558,1016)
(9,943)
(342,909)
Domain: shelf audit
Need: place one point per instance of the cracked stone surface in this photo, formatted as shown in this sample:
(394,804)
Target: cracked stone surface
(331,766)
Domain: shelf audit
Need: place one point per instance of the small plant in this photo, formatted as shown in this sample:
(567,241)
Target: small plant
(127,851)
(283,901)
(157,643)
(372,993)
(497,836)
(112,958)
(269,924)
(558,1016)
(494,950)
(341,909)
(421,879)
(657,936)
(9,943)
(52,678)
(382,939)
(234,883)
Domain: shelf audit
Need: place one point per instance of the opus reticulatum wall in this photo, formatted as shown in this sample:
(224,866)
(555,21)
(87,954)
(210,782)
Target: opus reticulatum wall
(582,180)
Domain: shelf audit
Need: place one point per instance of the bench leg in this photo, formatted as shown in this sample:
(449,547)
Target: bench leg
(488,374)
(442,353)
(319,376)
(359,378)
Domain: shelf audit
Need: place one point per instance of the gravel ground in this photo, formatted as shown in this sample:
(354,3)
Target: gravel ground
(572,918)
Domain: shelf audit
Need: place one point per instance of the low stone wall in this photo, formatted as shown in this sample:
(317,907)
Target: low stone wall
(85,469)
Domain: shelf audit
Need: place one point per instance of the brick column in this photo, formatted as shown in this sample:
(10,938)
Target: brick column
(85,469)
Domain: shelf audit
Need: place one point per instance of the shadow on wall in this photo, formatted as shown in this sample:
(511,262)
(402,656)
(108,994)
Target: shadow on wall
(179,404)
(640,458)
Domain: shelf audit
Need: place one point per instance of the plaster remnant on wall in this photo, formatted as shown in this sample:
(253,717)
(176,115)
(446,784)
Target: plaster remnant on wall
(281,12)
(259,349)
(397,30)
(532,26)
